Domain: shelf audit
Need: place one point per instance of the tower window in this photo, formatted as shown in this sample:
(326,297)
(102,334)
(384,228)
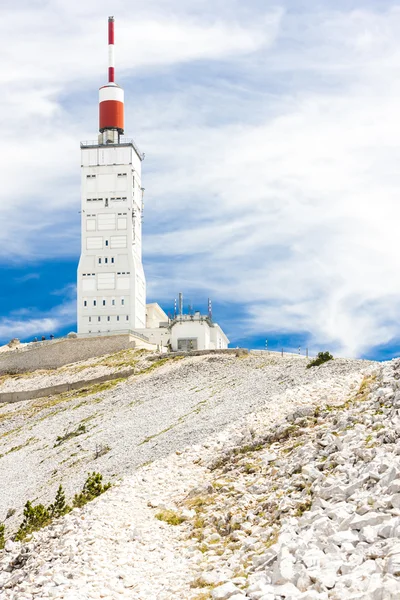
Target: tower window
(99,319)
(106,202)
(99,261)
(104,302)
(90,319)
(106,260)
(112,260)
(127,317)
(117,317)
(106,242)
(85,303)
(122,301)
(113,302)
(94,303)
(108,318)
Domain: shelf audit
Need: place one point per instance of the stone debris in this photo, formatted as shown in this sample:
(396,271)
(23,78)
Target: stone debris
(301,504)
(171,405)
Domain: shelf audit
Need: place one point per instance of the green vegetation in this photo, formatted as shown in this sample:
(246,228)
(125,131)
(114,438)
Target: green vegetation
(70,434)
(35,517)
(302,508)
(170,517)
(16,448)
(321,358)
(92,488)
(59,507)
(2,538)
(39,515)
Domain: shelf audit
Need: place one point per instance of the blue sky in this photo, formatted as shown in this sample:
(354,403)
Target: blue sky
(271,132)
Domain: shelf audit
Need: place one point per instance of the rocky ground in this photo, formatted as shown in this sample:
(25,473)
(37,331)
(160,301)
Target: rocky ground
(84,370)
(277,482)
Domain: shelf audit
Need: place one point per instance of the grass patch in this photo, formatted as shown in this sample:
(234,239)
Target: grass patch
(80,430)
(170,517)
(155,365)
(16,448)
(151,437)
(302,508)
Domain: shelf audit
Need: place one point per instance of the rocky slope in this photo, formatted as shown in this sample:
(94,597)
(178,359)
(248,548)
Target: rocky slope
(282,497)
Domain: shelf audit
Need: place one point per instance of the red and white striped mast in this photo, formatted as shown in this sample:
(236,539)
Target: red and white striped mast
(111,99)
(111,54)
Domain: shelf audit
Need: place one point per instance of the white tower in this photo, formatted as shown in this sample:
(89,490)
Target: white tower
(111,282)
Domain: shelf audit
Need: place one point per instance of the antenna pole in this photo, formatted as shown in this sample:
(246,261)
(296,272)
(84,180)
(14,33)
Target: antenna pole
(111,57)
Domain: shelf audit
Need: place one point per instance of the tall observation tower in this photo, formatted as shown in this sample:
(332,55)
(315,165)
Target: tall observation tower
(111,282)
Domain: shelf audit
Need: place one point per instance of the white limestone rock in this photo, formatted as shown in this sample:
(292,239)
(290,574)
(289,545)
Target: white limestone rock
(225,591)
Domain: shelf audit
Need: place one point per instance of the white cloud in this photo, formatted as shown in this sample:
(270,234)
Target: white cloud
(53,60)
(29,322)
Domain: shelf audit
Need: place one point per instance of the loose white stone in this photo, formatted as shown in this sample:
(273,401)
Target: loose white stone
(225,591)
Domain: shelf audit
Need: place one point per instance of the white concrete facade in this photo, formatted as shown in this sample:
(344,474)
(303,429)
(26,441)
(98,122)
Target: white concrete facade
(111,281)
(155,315)
(196,332)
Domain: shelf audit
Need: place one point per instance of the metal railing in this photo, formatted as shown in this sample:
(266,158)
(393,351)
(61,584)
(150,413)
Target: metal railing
(115,332)
(122,142)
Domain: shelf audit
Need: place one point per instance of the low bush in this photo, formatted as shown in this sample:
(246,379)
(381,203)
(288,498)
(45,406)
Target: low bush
(36,517)
(92,488)
(2,538)
(321,357)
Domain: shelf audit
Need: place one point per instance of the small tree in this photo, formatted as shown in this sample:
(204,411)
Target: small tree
(320,358)
(92,488)
(35,517)
(59,506)
(2,538)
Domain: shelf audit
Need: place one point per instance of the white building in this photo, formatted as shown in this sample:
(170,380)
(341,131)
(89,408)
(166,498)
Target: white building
(111,282)
(196,332)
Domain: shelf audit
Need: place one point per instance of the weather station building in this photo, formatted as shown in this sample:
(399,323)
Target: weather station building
(111,285)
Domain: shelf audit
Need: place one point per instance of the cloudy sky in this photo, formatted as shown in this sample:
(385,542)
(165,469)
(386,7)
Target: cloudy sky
(272,140)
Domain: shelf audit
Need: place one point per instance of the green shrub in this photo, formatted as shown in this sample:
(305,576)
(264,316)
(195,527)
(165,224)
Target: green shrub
(92,488)
(59,507)
(35,517)
(321,358)
(2,538)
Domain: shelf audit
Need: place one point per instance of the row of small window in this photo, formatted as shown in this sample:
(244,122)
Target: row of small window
(108,318)
(105,259)
(94,176)
(112,260)
(85,302)
(119,198)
